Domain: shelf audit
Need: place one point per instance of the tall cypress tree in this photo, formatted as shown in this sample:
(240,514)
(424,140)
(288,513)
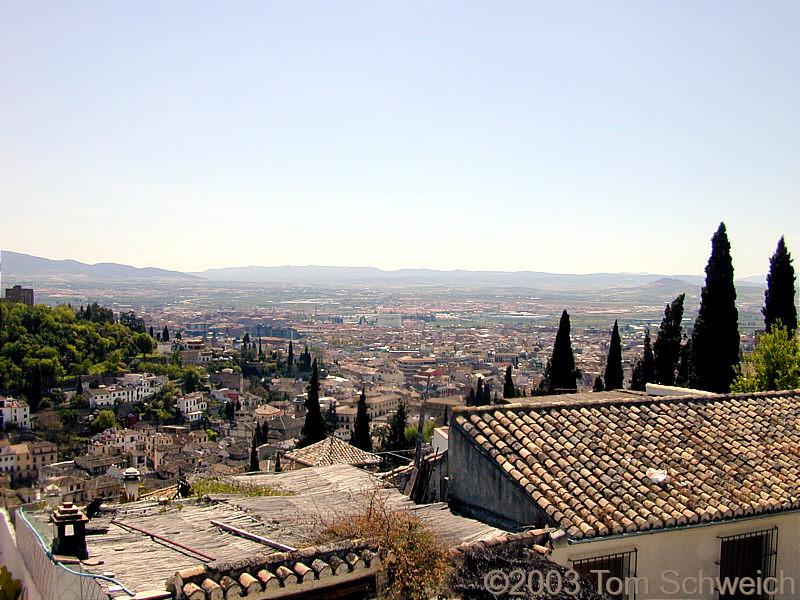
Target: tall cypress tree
(508,384)
(715,339)
(396,440)
(265,432)
(648,360)
(613,375)
(563,375)
(290,357)
(779,298)
(314,428)
(165,334)
(254,466)
(487,397)
(361,438)
(637,383)
(667,348)
(471,397)
(479,392)
(643,371)
(684,362)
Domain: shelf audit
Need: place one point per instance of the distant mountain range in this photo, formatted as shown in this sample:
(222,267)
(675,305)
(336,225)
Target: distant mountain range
(17,267)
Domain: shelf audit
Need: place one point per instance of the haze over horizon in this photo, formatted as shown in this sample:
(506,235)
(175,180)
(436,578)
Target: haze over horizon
(579,138)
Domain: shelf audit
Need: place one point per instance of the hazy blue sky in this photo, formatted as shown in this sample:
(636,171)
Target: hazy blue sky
(555,136)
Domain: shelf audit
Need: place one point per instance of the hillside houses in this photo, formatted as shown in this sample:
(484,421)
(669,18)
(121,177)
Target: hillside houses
(132,387)
(14,412)
(22,461)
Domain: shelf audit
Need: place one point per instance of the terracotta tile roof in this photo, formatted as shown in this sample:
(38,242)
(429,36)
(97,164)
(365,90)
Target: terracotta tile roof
(536,539)
(612,466)
(307,571)
(331,451)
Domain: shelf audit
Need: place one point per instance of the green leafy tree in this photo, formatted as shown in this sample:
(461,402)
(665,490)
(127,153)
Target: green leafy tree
(563,375)
(314,429)
(427,433)
(715,338)
(773,365)
(361,438)
(145,344)
(667,347)
(508,385)
(10,588)
(96,313)
(69,417)
(191,379)
(132,322)
(613,375)
(779,299)
(165,334)
(105,419)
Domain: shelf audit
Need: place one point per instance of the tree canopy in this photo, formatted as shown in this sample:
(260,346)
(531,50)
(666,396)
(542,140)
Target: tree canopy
(105,419)
(773,365)
(40,345)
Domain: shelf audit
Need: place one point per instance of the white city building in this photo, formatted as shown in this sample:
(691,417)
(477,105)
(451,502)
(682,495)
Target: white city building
(192,406)
(14,411)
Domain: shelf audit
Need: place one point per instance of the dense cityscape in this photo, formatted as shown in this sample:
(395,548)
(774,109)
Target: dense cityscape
(160,403)
(399,300)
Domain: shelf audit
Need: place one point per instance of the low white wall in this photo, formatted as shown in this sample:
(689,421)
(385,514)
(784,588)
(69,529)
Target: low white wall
(12,559)
(690,551)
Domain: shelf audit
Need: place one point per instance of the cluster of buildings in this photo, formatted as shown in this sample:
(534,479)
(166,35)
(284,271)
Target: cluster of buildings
(131,387)
(22,462)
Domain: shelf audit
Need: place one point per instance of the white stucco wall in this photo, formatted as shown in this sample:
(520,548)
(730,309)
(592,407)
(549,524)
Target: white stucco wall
(12,559)
(692,550)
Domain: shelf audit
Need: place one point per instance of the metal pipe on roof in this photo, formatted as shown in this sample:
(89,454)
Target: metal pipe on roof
(163,539)
(252,536)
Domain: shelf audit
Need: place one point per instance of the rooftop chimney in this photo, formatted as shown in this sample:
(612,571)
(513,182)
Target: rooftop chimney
(70,525)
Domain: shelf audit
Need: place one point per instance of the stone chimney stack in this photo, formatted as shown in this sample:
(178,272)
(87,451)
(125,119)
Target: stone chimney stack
(70,526)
